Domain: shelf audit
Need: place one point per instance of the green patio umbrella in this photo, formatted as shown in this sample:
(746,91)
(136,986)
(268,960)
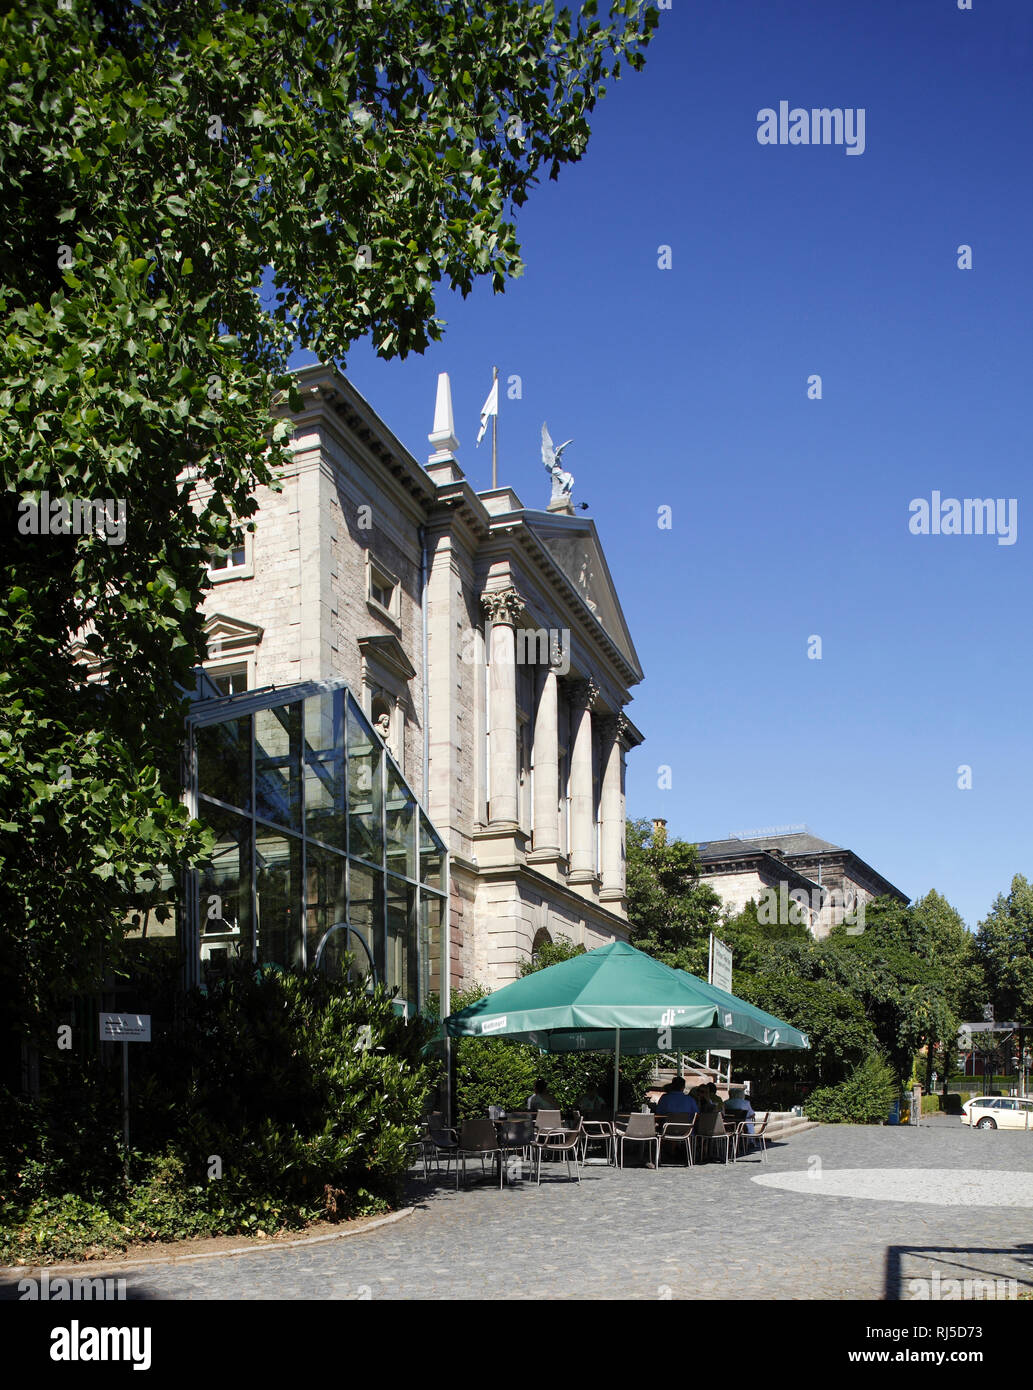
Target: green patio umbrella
(617,999)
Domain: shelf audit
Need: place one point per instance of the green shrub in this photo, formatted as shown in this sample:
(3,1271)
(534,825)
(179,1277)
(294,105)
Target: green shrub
(863,1099)
(277,1098)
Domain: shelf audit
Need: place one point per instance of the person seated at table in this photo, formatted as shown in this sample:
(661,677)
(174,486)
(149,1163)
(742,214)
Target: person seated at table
(539,1099)
(713,1097)
(739,1108)
(592,1105)
(701,1097)
(675,1100)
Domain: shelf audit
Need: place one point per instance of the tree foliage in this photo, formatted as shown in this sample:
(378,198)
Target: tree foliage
(1004,950)
(191,190)
(670,913)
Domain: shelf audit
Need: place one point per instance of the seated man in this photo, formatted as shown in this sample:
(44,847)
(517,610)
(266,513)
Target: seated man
(592,1105)
(737,1107)
(539,1099)
(674,1102)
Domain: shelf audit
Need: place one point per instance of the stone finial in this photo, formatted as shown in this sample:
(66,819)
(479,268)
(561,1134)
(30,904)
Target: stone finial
(443,435)
(502,605)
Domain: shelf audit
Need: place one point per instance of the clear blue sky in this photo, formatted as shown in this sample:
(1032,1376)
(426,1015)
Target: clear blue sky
(688,388)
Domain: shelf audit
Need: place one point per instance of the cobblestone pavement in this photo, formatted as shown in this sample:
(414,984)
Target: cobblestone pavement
(712,1232)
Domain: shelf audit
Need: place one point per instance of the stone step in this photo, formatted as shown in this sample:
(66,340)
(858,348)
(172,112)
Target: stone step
(784,1125)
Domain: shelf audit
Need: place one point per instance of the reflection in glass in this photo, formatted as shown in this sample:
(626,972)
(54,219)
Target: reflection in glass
(432,916)
(365,800)
(401,939)
(224,762)
(224,890)
(324,768)
(278,884)
(312,881)
(432,856)
(399,818)
(278,765)
(326,900)
(366,910)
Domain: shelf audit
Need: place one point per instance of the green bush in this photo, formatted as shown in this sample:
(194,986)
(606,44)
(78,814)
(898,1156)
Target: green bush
(863,1099)
(277,1098)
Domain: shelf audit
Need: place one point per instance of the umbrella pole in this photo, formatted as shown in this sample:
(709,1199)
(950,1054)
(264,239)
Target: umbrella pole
(616,1067)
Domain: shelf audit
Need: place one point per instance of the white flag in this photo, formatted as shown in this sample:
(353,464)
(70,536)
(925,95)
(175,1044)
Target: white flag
(489,408)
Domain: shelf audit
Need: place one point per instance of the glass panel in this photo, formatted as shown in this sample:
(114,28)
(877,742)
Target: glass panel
(432,916)
(366,911)
(159,919)
(401,831)
(224,892)
(365,825)
(278,883)
(326,902)
(401,940)
(278,765)
(432,857)
(325,816)
(224,762)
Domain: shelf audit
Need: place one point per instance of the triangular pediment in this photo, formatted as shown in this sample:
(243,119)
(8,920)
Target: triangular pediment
(228,634)
(387,649)
(573,545)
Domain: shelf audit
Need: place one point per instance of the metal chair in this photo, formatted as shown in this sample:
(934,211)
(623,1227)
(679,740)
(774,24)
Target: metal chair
(598,1132)
(710,1130)
(439,1142)
(640,1129)
(477,1139)
(760,1135)
(678,1132)
(563,1143)
(516,1137)
(546,1120)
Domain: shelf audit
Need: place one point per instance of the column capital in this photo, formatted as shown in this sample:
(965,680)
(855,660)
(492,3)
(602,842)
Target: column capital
(583,694)
(502,605)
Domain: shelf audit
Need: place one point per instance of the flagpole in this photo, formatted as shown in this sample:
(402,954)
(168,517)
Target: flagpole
(495,432)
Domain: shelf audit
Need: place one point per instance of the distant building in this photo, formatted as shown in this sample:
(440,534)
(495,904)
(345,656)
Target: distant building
(822,878)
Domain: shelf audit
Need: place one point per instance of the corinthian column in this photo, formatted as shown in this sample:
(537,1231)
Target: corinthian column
(502,607)
(582,820)
(613,833)
(546,769)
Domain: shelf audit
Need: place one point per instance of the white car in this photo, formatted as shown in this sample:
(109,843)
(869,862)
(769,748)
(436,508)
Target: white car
(998,1112)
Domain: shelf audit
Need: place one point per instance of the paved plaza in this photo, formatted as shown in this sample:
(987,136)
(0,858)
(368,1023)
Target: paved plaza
(842,1212)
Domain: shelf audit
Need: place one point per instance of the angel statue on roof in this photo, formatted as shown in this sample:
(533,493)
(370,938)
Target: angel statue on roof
(562,481)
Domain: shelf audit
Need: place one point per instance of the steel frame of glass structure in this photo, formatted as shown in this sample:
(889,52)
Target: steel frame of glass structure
(322,848)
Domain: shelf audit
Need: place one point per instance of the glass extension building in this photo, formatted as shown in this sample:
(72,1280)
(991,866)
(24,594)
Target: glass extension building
(322,848)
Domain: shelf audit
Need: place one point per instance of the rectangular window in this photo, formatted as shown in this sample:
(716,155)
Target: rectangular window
(383,590)
(233,558)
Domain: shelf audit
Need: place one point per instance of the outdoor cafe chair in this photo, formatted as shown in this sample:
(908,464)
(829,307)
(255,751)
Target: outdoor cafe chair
(517,1137)
(547,1119)
(598,1132)
(440,1142)
(736,1127)
(760,1136)
(562,1143)
(640,1129)
(678,1132)
(710,1130)
(477,1139)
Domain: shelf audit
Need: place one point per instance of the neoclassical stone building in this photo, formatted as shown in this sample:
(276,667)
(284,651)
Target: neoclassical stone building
(825,877)
(483,640)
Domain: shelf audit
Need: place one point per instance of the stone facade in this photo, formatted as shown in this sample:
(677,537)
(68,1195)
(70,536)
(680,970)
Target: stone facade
(486,642)
(830,876)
